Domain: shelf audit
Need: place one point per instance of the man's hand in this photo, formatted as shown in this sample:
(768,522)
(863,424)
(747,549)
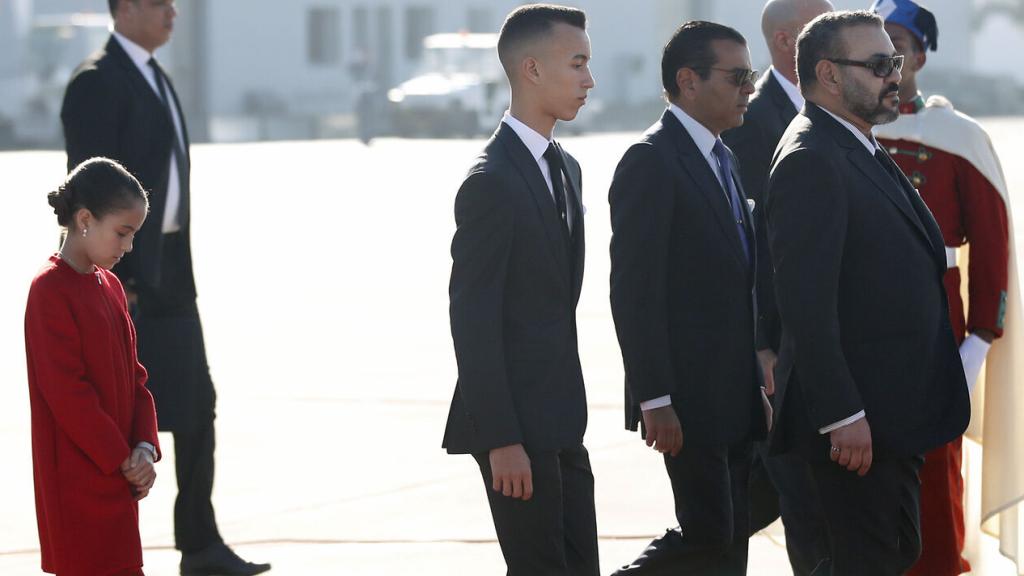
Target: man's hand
(664,433)
(768,359)
(851,446)
(138,469)
(510,472)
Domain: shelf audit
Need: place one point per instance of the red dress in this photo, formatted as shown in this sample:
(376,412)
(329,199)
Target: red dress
(89,408)
(969,210)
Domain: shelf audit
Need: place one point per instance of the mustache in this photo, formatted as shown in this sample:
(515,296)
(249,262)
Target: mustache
(892,87)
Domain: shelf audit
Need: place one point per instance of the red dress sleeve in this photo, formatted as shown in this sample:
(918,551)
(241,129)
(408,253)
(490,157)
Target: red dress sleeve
(987,233)
(57,370)
(144,422)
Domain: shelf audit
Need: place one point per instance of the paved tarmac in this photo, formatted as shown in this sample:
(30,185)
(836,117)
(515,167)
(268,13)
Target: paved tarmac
(322,269)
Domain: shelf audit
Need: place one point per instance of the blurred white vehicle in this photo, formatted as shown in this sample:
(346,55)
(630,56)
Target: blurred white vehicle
(460,88)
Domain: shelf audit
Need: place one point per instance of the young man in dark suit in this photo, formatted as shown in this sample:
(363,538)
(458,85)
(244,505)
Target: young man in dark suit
(682,295)
(869,375)
(519,405)
(782,484)
(120,104)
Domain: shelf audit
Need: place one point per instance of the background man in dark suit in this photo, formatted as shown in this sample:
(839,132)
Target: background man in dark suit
(869,376)
(120,104)
(779,484)
(682,295)
(520,406)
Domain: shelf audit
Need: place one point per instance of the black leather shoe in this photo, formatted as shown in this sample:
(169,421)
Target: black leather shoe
(218,560)
(658,559)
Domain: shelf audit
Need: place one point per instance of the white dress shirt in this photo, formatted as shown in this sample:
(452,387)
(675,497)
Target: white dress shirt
(537,144)
(140,56)
(705,142)
(703,138)
(790,89)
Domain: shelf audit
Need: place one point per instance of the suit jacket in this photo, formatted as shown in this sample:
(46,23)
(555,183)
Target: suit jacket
(682,291)
(767,117)
(859,263)
(516,279)
(110,110)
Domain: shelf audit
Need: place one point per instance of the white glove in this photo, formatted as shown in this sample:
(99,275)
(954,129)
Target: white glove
(972,354)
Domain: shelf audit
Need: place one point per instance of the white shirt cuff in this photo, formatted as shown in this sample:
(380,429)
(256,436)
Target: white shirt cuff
(149,447)
(659,402)
(842,423)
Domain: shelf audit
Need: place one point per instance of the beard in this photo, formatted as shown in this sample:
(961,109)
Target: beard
(867,106)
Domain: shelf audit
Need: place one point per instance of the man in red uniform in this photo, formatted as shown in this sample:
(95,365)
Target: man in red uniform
(949,159)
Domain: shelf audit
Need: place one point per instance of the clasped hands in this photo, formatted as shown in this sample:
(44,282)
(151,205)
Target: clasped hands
(139,471)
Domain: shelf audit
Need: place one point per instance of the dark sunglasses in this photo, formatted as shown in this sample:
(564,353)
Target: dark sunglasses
(881,67)
(739,76)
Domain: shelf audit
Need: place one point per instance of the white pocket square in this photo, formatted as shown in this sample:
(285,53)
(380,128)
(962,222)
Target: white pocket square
(751,204)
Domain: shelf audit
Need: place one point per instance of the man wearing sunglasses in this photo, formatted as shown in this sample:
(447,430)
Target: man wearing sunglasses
(682,296)
(779,485)
(869,377)
(950,160)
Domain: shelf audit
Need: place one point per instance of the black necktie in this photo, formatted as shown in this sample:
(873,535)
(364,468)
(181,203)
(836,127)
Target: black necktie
(180,158)
(555,167)
(890,168)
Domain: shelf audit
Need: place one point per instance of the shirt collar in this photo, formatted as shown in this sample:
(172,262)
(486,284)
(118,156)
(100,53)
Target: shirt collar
(139,55)
(535,142)
(702,137)
(790,89)
(868,143)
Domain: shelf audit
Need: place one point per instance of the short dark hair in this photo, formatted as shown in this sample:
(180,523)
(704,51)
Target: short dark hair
(99,185)
(690,47)
(822,39)
(530,22)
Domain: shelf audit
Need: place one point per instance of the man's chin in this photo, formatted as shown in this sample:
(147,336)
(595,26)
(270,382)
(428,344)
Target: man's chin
(885,116)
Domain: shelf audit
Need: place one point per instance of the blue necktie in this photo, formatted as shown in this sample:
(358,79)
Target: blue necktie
(736,205)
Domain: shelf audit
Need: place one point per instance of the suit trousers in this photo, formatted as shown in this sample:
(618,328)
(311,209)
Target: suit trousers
(710,487)
(195,526)
(874,525)
(555,532)
(782,485)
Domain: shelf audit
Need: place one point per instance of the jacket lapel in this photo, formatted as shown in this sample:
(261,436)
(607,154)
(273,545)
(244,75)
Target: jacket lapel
(869,166)
(780,99)
(139,82)
(696,166)
(575,198)
(527,167)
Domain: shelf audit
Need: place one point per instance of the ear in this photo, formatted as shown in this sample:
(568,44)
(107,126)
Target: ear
(920,59)
(530,70)
(782,41)
(827,74)
(83,219)
(686,82)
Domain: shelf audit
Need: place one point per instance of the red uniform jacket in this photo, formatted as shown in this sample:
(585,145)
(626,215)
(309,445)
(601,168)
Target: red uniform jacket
(969,210)
(89,408)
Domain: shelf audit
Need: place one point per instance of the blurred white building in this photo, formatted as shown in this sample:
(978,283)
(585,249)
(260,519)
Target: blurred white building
(295,68)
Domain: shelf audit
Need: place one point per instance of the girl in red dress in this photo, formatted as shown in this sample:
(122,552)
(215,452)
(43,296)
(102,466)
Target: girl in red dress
(94,433)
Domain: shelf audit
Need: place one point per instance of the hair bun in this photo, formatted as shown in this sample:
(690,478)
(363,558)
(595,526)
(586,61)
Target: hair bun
(58,199)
